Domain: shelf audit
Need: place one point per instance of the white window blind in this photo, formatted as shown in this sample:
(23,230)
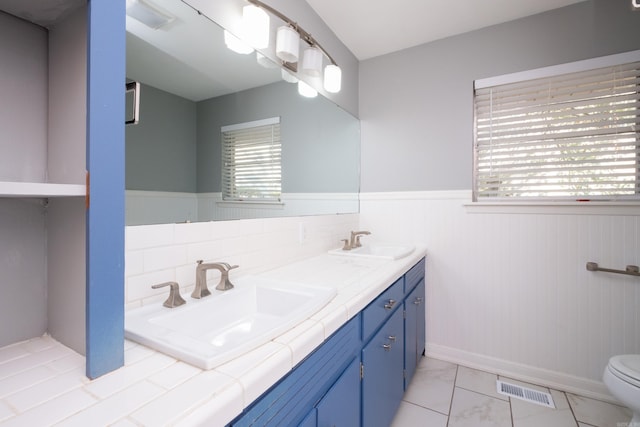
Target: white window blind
(568,136)
(252,157)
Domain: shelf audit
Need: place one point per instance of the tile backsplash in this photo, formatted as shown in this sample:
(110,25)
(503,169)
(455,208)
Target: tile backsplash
(169,252)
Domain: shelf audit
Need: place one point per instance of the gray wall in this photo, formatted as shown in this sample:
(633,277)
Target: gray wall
(161,148)
(416,105)
(320,150)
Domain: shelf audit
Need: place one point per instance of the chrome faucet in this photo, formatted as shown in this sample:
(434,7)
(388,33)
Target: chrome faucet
(354,241)
(201,289)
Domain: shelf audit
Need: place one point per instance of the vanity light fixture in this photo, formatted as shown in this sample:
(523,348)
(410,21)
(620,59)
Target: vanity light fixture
(287,44)
(288,77)
(635,4)
(146,14)
(255,25)
(332,78)
(305,90)
(287,50)
(312,62)
(235,44)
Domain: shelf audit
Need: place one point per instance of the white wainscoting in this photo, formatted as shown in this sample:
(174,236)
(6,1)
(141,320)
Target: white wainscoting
(507,289)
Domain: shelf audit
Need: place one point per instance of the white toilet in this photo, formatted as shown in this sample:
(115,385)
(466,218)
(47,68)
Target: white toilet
(622,377)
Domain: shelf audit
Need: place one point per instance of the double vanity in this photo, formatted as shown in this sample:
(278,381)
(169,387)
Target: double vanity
(329,340)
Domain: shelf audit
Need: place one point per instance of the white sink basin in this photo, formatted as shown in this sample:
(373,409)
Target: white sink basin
(217,328)
(376,251)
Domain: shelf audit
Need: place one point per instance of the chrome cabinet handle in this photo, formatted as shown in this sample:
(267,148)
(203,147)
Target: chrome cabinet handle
(418,301)
(386,347)
(392,338)
(390,304)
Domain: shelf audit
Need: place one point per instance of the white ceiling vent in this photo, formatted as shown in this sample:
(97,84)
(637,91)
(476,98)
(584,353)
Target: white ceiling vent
(526,394)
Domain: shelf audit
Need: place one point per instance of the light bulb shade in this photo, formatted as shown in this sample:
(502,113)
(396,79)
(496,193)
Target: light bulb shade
(235,44)
(255,25)
(287,44)
(306,90)
(332,78)
(312,62)
(288,77)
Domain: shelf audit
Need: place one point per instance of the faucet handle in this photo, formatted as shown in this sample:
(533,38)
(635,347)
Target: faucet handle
(346,246)
(228,266)
(174,300)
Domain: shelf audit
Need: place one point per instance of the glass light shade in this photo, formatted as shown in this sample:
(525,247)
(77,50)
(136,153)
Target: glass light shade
(255,25)
(332,78)
(312,62)
(288,77)
(287,44)
(306,90)
(235,44)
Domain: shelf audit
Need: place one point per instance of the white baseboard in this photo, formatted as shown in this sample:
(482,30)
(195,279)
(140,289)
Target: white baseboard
(531,374)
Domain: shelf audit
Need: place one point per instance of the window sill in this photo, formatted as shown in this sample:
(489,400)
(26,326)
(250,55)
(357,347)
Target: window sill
(556,208)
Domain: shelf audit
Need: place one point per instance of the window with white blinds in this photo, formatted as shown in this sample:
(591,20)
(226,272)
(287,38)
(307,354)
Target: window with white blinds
(571,135)
(252,161)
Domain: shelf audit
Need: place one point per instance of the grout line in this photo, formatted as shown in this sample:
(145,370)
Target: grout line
(453,392)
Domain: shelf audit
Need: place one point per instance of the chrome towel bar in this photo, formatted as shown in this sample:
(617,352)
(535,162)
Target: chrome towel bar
(631,270)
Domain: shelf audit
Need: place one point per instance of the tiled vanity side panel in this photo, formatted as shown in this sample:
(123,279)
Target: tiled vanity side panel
(288,402)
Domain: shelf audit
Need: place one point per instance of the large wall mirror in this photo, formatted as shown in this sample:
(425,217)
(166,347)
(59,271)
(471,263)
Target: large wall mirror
(192,85)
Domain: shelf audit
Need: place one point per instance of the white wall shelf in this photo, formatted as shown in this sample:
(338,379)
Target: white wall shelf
(40,189)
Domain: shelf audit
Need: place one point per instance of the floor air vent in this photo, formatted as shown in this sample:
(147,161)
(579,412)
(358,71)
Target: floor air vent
(526,394)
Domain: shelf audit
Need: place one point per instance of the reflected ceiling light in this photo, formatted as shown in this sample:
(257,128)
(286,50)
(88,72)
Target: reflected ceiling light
(265,61)
(305,90)
(147,14)
(287,50)
(287,44)
(288,77)
(332,78)
(255,25)
(235,44)
(312,61)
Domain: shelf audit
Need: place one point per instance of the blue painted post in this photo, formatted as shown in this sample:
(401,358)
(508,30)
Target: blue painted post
(105,210)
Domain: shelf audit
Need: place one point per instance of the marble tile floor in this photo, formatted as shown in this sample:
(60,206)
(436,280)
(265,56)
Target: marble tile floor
(444,394)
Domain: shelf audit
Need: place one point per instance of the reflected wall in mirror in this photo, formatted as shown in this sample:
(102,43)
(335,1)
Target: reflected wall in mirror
(191,86)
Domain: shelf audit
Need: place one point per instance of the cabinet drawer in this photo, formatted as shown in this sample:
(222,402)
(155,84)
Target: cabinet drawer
(413,276)
(381,308)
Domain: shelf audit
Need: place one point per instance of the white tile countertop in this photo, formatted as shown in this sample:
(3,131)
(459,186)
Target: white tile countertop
(42,382)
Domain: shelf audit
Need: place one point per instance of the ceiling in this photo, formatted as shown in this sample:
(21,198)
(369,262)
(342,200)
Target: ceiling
(42,12)
(371,28)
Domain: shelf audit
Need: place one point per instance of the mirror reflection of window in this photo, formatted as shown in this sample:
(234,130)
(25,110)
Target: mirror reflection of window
(252,161)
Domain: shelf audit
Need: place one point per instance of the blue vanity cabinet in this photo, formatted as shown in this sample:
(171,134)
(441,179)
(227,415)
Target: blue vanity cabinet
(383,379)
(357,377)
(414,287)
(293,400)
(414,329)
(340,407)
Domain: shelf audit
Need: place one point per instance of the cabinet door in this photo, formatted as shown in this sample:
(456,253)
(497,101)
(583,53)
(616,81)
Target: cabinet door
(383,382)
(414,331)
(340,407)
(310,419)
